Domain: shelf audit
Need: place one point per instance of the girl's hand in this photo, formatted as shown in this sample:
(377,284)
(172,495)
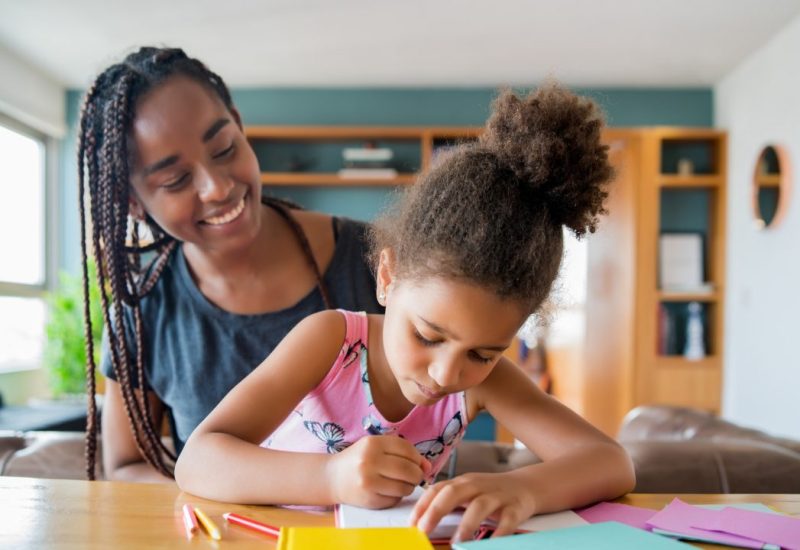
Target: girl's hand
(502,497)
(376,471)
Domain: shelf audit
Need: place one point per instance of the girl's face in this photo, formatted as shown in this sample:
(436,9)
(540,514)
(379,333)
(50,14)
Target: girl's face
(442,336)
(194,172)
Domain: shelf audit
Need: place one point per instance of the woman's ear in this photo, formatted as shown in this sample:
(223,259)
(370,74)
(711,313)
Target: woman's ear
(135,207)
(385,274)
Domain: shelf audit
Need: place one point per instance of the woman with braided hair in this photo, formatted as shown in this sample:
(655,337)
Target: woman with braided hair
(229,273)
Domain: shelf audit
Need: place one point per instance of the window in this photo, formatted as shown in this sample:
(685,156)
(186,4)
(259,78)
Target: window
(24,265)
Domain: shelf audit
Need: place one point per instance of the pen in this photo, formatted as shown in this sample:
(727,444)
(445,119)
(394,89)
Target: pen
(242,521)
(189,521)
(210,527)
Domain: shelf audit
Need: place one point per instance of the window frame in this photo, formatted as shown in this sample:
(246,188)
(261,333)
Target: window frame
(51,220)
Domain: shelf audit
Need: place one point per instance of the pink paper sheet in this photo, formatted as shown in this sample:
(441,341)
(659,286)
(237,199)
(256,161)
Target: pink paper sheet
(623,513)
(775,529)
(679,517)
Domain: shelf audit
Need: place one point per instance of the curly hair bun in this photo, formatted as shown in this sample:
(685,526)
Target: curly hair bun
(551,141)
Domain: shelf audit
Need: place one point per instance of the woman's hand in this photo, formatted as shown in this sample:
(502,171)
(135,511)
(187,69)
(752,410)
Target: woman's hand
(502,497)
(376,471)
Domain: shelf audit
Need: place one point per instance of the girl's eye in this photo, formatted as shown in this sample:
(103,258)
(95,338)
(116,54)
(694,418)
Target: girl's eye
(176,184)
(424,341)
(479,358)
(224,153)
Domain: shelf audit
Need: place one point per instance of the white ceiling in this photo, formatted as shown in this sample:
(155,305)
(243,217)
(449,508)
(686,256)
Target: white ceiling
(637,43)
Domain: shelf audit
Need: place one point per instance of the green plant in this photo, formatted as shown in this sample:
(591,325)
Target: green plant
(65,349)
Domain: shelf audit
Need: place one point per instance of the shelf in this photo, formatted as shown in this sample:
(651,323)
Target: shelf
(309,178)
(310,133)
(692,181)
(673,296)
(768,180)
(678,362)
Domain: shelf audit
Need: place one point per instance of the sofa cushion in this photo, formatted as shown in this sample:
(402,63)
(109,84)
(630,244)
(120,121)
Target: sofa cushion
(53,455)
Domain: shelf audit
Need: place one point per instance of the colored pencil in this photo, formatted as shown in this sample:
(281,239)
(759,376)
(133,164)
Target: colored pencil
(210,527)
(243,521)
(189,521)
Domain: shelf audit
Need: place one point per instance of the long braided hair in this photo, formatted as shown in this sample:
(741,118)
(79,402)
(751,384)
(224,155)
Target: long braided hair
(104,171)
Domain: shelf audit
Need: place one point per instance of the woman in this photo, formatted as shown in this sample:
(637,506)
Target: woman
(163,153)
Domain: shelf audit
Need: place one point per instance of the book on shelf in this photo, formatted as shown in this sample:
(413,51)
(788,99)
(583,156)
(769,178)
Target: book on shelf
(367,173)
(680,260)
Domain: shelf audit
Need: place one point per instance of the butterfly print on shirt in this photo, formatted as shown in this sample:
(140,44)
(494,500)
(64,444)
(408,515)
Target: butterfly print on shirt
(431,448)
(352,353)
(330,433)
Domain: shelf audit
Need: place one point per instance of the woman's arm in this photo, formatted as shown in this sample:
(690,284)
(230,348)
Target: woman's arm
(122,460)
(579,464)
(222,458)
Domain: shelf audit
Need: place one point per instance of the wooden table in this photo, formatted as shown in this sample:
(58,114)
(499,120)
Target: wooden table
(46,513)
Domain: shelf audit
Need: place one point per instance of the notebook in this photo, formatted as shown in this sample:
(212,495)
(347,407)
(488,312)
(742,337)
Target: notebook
(597,536)
(392,538)
(398,516)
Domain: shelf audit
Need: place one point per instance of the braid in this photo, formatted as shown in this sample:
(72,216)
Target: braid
(103,171)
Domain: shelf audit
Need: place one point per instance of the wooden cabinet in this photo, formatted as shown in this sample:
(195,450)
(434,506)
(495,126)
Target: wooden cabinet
(633,349)
(311,155)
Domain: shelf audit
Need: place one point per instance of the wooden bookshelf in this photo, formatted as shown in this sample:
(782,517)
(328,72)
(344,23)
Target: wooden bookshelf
(423,139)
(623,364)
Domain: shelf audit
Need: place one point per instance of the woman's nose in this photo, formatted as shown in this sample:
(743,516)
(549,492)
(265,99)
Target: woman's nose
(213,186)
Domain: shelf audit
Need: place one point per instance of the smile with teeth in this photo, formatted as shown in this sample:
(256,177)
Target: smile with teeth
(226,218)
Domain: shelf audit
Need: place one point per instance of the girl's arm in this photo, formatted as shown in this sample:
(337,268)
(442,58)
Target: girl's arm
(122,460)
(222,459)
(580,465)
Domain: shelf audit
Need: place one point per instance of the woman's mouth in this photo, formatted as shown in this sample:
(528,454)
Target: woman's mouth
(228,216)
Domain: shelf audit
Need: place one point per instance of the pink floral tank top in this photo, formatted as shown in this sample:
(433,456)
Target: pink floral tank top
(340,411)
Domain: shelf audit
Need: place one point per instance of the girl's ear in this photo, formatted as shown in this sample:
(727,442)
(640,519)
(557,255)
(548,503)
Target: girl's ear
(385,274)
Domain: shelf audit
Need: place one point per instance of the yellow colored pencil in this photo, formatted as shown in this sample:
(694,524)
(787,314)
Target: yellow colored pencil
(210,527)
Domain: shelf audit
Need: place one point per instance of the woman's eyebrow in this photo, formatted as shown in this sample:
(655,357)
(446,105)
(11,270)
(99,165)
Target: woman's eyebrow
(172,159)
(216,127)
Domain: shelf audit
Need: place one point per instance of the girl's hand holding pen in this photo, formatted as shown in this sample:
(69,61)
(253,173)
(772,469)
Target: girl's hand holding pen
(376,472)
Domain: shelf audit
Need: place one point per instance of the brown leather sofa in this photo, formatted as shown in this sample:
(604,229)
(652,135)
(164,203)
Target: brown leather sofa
(674,450)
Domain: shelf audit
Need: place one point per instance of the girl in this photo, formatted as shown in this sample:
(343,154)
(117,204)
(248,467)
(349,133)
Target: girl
(161,147)
(469,254)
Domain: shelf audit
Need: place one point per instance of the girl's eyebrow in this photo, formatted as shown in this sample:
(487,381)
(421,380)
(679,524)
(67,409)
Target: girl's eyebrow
(441,330)
(172,159)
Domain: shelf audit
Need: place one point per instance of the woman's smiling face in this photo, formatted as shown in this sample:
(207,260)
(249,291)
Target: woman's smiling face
(194,172)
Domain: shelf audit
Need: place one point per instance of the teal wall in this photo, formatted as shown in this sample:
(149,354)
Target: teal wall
(400,106)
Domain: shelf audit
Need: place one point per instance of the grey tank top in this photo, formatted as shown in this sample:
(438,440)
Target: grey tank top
(195,352)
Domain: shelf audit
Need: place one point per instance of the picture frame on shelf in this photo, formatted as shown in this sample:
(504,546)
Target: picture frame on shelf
(681,263)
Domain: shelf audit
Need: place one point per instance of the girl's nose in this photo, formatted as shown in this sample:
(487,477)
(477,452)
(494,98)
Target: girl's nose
(212,186)
(445,372)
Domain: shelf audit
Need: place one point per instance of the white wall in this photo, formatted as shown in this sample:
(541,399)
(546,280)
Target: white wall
(758,104)
(30,96)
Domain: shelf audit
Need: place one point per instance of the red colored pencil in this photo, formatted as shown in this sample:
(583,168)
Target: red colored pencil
(262,528)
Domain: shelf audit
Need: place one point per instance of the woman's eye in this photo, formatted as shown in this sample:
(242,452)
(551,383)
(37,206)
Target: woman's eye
(224,152)
(424,341)
(176,184)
